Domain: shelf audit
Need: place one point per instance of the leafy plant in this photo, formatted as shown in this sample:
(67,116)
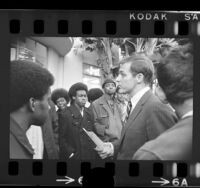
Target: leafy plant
(108,49)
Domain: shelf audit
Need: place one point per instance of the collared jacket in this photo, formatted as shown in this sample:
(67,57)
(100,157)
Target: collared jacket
(108,124)
(72,138)
(20,147)
(148,120)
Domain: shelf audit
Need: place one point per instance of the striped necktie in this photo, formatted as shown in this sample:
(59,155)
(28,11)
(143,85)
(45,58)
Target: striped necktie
(128,110)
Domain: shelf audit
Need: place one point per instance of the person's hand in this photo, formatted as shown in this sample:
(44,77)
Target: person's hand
(106,151)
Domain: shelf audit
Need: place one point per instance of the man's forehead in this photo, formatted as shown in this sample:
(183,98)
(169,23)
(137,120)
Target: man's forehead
(125,66)
(81,92)
(109,83)
(60,99)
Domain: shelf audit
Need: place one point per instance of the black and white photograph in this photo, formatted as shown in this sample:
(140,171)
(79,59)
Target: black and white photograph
(100,98)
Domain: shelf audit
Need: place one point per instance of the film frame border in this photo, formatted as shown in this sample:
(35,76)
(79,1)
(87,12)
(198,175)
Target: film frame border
(94,23)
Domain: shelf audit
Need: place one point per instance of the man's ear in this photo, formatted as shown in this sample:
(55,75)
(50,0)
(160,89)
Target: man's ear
(73,97)
(31,104)
(139,77)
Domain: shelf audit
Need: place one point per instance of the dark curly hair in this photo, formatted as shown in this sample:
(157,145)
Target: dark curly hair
(94,94)
(175,74)
(27,79)
(76,87)
(58,93)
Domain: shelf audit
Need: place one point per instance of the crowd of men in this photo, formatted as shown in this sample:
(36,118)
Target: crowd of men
(134,121)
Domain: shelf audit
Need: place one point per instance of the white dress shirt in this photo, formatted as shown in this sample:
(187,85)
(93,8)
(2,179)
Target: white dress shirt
(81,111)
(190,113)
(135,99)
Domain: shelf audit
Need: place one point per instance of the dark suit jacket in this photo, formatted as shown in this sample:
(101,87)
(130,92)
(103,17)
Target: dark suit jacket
(50,147)
(174,144)
(72,138)
(148,120)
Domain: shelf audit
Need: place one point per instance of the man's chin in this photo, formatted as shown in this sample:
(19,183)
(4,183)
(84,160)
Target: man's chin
(111,92)
(39,124)
(123,90)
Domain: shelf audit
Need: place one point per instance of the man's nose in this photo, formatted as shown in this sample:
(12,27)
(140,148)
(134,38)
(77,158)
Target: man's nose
(118,79)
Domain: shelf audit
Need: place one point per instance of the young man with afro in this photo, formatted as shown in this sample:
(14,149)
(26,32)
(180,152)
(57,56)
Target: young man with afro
(29,95)
(74,143)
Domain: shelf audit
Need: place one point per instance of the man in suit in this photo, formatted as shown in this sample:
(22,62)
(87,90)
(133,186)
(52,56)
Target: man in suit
(74,143)
(148,116)
(175,77)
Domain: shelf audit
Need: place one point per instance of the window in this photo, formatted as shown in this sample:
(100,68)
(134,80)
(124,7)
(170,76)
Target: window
(91,76)
(30,50)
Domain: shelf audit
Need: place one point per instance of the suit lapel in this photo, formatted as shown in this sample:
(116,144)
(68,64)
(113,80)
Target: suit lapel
(135,112)
(75,112)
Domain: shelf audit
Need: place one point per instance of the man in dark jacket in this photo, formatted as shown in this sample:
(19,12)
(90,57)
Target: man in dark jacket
(175,77)
(29,95)
(60,99)
(74,143)
(51,148)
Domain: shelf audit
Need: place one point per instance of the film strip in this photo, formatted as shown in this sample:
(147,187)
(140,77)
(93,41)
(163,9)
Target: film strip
(20,26)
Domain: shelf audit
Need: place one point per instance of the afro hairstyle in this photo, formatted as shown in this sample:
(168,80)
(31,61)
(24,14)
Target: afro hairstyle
(59,93)
(94,94)
(77,87)
(27,79)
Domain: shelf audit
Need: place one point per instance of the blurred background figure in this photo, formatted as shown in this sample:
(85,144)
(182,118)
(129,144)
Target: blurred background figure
(94,94)
(122,101)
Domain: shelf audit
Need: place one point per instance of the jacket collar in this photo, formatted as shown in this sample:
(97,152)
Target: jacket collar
(104,100)
(136,110)
(75,111)
(136,98)
(20,135)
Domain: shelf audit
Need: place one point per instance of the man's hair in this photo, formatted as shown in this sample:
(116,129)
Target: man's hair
(76,87)
(140,63)
(27,79)
(59,93)
(175,74)
(94,94)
